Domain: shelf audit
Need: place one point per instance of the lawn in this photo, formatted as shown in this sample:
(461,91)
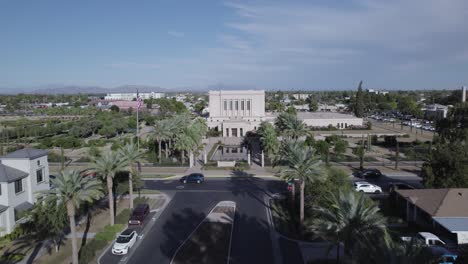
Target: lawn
(157,176)
(209,244)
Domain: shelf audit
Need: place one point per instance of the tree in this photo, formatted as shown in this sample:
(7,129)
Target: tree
(107,166)
(352,219)
(131,155)
(290,126)
(313,105)
(49,221)
(323,148)
(291,110)
(115,108)
(71,190)
(340,147)
(360,152)
(269,139)
(359,102)
(302,164)
(161,133)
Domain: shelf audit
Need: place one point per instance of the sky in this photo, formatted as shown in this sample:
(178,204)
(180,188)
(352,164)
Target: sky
(270,44)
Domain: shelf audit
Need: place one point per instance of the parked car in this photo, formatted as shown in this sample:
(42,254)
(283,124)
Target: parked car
(193,178)
(369,173)
(362,186)
(427,239)
(124,242)
(399,186)
(139,214)
(445,256)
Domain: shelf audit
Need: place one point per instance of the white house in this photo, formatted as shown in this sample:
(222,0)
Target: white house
(23,174)
(132,96)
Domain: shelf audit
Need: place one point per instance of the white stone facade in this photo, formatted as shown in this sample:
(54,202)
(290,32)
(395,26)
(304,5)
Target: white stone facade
(236,112)
(132,96)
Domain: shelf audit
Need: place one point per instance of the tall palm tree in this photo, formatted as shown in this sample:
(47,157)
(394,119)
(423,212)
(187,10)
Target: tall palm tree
(352,219)
(131,154)
(290,126)
(302,164)
(269,139)
(162,132)
(107,165)
(72,189)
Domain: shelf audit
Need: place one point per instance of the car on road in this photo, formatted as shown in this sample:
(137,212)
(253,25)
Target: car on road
(193,178)
(139,214)
(124,242)
(369,173)
(366,187)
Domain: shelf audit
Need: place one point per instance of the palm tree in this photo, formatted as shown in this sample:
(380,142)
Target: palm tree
(107,166)
(352,219)
(269,139)
(303,164)
(360,152)
(72,189)
(131,154)
(290,126)
(162,132)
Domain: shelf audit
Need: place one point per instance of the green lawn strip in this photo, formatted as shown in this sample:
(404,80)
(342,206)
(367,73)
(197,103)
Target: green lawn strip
(157,176)
(208,244)
(146,191)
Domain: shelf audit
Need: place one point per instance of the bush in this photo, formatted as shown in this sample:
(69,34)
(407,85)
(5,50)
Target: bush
(139,200)
(109,232)
(123,217)
(88,251)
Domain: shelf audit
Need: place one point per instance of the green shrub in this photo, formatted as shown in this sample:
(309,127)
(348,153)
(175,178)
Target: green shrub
(140,200)
(88,251)
(12,257)
(109,232)
(123,217)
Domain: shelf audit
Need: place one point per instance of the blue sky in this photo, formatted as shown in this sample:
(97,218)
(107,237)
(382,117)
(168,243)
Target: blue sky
(310,44)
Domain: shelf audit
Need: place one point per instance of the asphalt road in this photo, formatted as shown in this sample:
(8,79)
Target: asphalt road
(251,240)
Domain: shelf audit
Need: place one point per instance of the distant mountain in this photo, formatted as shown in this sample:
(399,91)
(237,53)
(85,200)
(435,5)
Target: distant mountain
(76,89)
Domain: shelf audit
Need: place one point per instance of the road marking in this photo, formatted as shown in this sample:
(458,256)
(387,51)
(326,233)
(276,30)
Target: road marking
(180,187)
(123,259)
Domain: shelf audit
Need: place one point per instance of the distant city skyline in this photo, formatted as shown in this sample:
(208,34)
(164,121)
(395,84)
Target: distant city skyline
(287,45)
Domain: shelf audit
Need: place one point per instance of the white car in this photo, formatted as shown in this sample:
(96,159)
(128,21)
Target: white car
(366,187)
(124,241)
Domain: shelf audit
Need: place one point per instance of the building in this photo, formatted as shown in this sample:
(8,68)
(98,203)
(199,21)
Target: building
(125,105)
(435,111)
(23,174)
(325,119)
(236,112)
(445,211)
(132,96)
(376,91)
(301,96)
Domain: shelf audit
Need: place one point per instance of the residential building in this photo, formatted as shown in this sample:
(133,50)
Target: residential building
(23,174)
(325,119)
(445,211)
(132,96)
(377,91)
(301,96)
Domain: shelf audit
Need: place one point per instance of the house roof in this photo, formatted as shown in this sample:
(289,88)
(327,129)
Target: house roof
(9,174)
(24,206)
(26,153)
(439,202)
(453,224)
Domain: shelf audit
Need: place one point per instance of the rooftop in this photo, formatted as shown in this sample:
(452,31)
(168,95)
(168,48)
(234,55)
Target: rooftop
(26,153)
(439,202)
(9,174)
(324,115)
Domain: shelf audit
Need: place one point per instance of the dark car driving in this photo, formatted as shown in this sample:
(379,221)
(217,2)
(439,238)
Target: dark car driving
(193,178)
(369,173)
(139,214)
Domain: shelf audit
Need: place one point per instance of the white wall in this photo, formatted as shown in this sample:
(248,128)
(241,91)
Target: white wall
(256,99)
(334,122)
(462,237)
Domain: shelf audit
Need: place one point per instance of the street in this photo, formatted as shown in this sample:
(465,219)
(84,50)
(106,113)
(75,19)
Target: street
(251,240)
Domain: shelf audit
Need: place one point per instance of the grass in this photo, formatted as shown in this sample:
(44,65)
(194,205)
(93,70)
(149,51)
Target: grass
(157,176)
(146,191)
(208,244)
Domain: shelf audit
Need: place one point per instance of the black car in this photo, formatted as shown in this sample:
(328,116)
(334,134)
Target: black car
(369,173)
(139,214)
(193,178)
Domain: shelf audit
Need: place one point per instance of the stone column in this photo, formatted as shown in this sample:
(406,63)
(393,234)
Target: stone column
(205,157)
(248,158)
(263,159)
(191,159)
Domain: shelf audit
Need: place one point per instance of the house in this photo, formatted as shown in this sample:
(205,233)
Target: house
(445,211)
(23,174)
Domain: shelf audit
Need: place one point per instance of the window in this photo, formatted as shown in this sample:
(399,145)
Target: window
(242,105)
(248,105)
(39,176)
(230,105)
(237,105)
(38,163)
(225,105)
(19,186)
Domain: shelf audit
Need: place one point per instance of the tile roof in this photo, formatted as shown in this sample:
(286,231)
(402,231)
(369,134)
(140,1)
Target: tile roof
(26,153)
(439,202)
(9,174)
